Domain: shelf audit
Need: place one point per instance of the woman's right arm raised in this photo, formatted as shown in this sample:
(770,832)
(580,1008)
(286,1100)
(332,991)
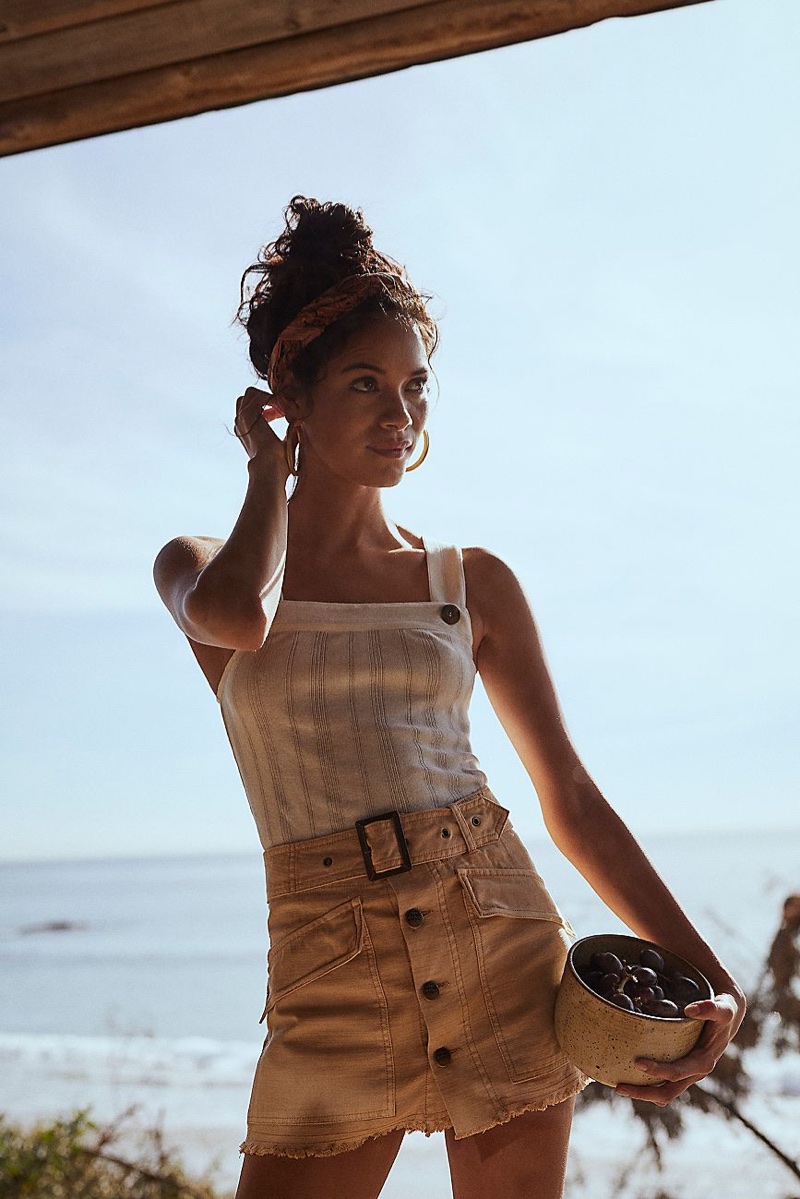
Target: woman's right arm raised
(227,594)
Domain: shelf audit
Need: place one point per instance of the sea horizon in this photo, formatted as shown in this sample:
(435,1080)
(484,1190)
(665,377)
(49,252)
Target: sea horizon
(643,835)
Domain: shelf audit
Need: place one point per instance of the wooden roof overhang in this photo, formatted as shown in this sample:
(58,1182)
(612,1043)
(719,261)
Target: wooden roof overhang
(71,69)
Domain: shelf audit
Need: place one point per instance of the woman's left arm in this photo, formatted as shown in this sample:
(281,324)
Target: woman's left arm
(582,824)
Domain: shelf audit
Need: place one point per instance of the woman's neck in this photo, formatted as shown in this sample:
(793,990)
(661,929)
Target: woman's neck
(333,516)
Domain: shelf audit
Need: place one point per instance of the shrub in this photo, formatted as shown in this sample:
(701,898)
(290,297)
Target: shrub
(73,1158)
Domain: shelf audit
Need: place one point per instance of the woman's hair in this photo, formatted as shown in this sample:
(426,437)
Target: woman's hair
(321,245)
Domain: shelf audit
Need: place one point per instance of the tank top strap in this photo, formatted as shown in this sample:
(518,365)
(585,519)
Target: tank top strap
(445,574)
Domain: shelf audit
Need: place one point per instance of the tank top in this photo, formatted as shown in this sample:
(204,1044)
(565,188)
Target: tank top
(351,710)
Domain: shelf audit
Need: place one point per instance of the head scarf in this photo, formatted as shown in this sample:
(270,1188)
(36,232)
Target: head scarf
(312,320)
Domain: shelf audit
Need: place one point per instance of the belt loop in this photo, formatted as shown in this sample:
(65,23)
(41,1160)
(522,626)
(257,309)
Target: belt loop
(466,828)
(292,867)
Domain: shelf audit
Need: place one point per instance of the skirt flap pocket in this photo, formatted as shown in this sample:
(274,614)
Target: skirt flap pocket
(314,950)
(518,893)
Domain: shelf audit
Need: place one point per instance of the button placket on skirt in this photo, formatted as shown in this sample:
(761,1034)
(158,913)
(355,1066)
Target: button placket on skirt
(434,958)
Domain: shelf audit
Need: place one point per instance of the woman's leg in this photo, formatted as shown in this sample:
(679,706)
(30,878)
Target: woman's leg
(356,1173)
(526,1158)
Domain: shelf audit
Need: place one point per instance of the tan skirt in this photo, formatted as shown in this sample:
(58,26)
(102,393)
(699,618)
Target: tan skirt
(421,998)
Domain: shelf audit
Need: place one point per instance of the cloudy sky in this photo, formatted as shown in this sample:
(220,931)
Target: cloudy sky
(608,220)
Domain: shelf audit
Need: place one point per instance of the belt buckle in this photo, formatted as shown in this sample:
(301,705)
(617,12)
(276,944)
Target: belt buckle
(366,849)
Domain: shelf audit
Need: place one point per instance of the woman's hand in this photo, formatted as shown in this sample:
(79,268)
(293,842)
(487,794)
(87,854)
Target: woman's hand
(723,1014)
(255,410)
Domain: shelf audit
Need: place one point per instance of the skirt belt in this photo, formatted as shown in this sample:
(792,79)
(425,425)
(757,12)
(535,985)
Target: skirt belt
(391,843)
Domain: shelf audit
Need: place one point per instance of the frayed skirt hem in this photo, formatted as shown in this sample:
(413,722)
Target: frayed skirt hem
(328,1149)
(259,1148)
(535,1105)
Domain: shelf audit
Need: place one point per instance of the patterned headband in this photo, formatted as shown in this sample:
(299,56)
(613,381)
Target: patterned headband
(315,318)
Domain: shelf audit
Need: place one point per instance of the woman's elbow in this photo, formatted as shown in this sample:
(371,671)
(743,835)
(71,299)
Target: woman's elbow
(575,811)
(232,623)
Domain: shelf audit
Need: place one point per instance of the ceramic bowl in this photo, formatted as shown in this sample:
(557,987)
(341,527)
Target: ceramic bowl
(602,1039)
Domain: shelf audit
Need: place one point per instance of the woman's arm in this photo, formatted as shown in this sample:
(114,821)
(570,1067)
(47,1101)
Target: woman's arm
(227,594)
(582,824)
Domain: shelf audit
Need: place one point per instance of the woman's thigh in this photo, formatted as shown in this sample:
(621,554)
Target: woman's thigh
(357,1173)
(526,1158)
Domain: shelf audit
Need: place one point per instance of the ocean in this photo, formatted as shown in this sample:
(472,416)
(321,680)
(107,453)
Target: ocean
(141,981)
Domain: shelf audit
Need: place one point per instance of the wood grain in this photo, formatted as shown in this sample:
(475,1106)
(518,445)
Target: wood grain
(162,35)
(432,31)
(24,18)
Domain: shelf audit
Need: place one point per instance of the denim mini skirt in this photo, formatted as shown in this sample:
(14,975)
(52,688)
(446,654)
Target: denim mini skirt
(412,975)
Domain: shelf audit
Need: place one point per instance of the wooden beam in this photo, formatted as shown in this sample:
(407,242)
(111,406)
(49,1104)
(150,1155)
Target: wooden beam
(438,30)
(22,18)
(170,33)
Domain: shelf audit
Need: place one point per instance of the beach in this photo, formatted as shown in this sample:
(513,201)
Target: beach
(138,984)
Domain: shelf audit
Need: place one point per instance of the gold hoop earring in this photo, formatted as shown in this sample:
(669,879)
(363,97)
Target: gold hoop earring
(426,445)
(291,448)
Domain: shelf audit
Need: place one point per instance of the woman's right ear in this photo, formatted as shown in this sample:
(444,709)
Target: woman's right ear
(293,402)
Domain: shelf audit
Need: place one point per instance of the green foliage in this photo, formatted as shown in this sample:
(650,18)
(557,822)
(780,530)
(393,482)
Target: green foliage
(74,1158)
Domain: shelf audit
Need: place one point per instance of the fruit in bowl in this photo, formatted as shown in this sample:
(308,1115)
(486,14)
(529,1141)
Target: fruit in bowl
(622,998)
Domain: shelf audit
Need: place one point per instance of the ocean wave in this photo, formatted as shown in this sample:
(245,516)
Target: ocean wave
(130,1060)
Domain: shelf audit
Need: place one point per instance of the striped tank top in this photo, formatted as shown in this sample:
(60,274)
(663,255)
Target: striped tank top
(350,710)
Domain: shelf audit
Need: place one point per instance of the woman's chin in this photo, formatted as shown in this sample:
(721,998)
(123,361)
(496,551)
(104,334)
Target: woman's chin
(384,472)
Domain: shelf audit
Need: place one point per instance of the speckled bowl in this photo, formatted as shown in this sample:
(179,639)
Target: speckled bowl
(602,1039)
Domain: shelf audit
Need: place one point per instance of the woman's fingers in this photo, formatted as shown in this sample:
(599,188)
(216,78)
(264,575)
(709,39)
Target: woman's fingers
(255,409)
(662,1094)
(720,1008)
(253,405)
(697,1063)
(672,1078)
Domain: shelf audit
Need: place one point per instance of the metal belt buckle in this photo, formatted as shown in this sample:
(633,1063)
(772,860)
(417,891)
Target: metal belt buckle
(366,849)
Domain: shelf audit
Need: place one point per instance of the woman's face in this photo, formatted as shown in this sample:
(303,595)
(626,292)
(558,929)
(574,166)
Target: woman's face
(366,414)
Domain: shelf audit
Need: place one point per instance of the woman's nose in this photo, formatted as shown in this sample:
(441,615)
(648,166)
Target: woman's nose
(396,414)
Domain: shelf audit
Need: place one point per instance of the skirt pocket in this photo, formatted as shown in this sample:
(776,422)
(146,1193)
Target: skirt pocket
(328,1052)
(521,943)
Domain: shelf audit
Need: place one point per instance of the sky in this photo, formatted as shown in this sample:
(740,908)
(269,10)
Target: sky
(608,222)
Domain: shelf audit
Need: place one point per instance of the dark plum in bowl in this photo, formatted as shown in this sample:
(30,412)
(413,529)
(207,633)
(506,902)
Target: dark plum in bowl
(622,998)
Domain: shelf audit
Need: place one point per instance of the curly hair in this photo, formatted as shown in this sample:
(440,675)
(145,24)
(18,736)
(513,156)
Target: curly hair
(321,245)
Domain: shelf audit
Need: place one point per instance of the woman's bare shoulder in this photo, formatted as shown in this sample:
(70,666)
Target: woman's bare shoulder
(493,589)
(485,570)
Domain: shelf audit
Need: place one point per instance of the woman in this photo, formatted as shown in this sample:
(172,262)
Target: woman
(414,950)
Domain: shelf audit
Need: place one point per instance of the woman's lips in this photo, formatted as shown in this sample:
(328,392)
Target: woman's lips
(392,451)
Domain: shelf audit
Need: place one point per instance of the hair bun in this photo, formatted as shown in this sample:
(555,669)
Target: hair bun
(325,235)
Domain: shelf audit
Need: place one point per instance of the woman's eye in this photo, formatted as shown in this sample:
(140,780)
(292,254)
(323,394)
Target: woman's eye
(366,384)
(369,385)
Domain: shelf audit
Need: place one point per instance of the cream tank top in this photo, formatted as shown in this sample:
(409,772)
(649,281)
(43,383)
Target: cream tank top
(351,710)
